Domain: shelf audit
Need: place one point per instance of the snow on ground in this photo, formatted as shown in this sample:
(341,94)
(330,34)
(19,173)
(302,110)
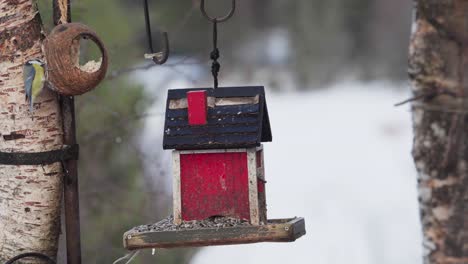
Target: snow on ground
(340,157)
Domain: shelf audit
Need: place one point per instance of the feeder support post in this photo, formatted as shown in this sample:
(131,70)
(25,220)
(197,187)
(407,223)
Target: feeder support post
(438,69)
(62,15)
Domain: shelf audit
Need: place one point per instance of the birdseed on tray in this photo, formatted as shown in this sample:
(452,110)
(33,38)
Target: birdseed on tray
(167,224)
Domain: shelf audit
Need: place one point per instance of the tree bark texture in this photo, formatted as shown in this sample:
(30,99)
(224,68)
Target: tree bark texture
(29,195)
(438,68)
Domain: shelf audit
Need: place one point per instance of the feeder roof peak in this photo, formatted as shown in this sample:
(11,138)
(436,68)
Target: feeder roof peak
(229,117)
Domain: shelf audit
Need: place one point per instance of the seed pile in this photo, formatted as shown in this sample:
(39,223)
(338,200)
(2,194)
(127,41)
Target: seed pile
(167,224)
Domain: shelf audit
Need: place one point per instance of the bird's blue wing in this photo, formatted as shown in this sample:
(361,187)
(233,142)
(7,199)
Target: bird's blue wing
(28,75)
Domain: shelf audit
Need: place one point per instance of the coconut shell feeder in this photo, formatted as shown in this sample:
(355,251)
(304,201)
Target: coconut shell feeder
(218,169)
(65,75)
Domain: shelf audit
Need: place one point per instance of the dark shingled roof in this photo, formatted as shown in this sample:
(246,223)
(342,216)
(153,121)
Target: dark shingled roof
(228,126)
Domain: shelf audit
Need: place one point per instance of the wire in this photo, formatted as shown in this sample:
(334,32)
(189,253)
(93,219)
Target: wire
(129,256)
(31,255)
(440,109)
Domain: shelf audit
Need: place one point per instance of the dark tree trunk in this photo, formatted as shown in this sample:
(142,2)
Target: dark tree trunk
(438,68)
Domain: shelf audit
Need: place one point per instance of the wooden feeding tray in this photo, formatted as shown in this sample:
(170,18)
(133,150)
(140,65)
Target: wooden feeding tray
(279,230)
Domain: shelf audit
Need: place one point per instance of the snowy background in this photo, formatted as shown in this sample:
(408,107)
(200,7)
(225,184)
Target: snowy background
(341,158)
(341,151)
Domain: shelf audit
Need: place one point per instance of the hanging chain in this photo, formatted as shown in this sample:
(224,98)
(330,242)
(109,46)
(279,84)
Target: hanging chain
(214,55)
(215,66)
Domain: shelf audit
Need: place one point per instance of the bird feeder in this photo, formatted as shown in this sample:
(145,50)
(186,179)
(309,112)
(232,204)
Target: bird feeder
(218,168)
(65,75)
(218,157)
(218,172)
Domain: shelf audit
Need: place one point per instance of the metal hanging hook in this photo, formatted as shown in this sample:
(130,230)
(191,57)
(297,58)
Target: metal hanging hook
(160,57)
(218,19)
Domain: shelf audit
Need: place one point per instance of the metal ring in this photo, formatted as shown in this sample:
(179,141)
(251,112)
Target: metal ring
(218,19)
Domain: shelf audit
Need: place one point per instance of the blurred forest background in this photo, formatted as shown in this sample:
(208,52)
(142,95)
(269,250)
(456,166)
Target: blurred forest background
(313,42)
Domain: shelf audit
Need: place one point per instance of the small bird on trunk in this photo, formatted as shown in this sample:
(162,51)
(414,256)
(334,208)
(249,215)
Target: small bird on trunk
(34,78)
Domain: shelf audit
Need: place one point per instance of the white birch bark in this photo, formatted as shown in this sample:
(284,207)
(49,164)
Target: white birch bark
(29,195)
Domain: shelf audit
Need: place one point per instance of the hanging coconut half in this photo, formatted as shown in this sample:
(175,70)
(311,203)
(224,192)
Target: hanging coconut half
(62,50)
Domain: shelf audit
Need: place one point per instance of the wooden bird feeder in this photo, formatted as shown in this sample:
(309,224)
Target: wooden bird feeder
(218,171)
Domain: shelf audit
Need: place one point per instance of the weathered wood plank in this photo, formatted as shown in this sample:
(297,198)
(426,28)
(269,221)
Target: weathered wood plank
(251,119)
(205,130)
(176,188)
(212,142)
(253,186)
(281,230)
(235,110)
(220,92)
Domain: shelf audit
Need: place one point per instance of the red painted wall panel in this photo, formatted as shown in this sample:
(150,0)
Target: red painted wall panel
(214,184)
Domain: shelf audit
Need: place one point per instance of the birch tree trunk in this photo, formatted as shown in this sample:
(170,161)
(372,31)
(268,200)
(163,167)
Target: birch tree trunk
(29,195)
(438,68)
